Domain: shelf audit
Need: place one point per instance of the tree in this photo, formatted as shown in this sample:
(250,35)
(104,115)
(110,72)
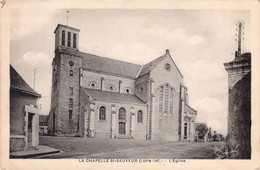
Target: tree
(201,129)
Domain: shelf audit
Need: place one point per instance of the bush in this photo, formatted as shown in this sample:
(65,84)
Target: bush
(227,152)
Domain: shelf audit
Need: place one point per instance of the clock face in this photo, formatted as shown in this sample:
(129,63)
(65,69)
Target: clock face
(167,67)
(71,63)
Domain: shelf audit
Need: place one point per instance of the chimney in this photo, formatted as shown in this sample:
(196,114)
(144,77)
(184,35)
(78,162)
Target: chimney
(167,51)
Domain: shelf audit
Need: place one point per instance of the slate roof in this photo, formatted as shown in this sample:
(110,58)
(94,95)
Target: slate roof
(187,108)
(151,65)
(18,83)
(107,65)
(112,96)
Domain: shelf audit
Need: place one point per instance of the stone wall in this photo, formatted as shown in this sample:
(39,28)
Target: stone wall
(239,124)
(103,127)
(92,77)
(17,113)
(62,96)
(18,123)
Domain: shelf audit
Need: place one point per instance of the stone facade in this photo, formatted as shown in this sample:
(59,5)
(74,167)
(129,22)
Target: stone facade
(239,99)
(107,98)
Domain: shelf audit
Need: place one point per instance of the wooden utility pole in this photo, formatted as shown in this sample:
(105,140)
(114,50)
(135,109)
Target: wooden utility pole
(68,11)
(34,74)
(239,38)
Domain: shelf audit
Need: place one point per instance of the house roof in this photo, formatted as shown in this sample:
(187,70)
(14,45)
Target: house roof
(151,65)
(112,96)
(111,66)
(65,26)
(18,83)
(43,118)
(187,108)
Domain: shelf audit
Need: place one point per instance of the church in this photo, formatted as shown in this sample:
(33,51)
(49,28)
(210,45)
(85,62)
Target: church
(99,97)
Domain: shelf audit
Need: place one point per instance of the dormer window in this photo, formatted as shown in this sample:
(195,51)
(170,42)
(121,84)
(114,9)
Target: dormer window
(128,90)
(69,39)
(111,87)
(63,38)
(93,85)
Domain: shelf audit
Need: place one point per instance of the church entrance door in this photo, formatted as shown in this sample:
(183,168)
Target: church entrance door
(122,128)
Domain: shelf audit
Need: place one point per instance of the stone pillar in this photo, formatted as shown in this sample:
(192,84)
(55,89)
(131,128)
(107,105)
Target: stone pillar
(119,86)
(102,84)
(113,119)
(81,77)
(133,120)
(92,120)
(191,131)
(182,113)
(85,122)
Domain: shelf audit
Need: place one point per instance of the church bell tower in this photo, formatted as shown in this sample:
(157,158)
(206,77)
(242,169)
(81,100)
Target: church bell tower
(66,36)
(64,113)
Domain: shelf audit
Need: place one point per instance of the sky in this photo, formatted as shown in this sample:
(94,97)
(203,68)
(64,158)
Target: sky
(200,41)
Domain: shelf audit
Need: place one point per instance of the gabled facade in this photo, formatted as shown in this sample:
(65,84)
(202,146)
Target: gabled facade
(94,96)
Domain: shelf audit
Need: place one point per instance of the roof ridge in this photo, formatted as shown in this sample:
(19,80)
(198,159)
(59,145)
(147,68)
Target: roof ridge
(16,77)
(151,65)
(109,58)
(139,71)
(191,107)
(156,59)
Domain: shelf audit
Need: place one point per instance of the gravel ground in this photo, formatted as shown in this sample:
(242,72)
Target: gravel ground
(75,147)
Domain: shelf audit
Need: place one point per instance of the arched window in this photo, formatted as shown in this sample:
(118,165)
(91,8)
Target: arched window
(111,87)
(128,90)
(63,38)
(74,40)
(69,39)
(166,98)
(161,99)
(140,116)
(122,114)
(171,101)
(93,84)
(185,130)
(102,113)
(71,72)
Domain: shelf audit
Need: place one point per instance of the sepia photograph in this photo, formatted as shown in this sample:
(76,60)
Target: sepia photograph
(130,84)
